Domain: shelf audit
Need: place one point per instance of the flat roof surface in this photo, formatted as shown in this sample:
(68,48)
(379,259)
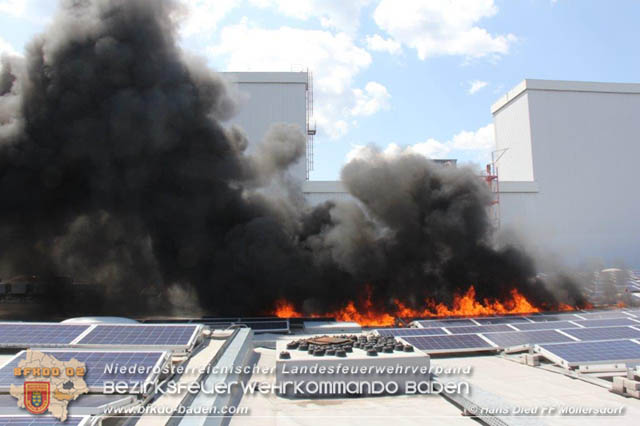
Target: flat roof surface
(563,86)
(513,384)
(385,410)
(495,381)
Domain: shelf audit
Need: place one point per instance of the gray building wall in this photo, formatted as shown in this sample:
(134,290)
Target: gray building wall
(266,98)
(568,177)
(317,192)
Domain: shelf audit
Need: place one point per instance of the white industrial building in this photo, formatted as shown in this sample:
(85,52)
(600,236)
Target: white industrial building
(266,98)
(567,158)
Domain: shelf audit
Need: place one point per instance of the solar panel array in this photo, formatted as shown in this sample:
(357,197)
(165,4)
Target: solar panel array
(502,320)
(166,336)
(550,325)
(479,329)
(140,335)
(398,332)
(520,338)
(607,322)
(491,333)
(459,342)
(553,317)
(446,323)
(603,333)
(603,315)
(579,353)
(95,363)
(40,334)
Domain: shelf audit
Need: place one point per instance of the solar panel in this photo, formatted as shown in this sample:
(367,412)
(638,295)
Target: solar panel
(22,335)
(556,317)
(479,329)
(519,338)
(28,420)
(395,332)
(601,352)
(603,333)
(550,325)
(502,320)
(141,335)
(446,322)
(449,343)
(147,366)
(607,322)
(602,315)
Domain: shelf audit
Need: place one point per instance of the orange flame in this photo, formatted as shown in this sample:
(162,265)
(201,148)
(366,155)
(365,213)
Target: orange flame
(565,307)
(285,309)
(463,305)
(468,305)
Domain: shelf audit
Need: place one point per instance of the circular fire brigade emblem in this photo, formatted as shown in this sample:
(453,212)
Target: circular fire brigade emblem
(36,397)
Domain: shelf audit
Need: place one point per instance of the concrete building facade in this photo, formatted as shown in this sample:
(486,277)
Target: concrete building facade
(266,98)
(568,156)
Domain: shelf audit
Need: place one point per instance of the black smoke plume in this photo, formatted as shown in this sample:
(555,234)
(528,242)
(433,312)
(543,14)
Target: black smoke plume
(120,187)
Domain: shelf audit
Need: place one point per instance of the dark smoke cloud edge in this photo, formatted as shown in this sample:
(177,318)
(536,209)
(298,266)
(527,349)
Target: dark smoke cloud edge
(121,187)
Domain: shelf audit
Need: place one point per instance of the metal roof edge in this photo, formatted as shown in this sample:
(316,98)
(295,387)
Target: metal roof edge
(267,77)
(563,86)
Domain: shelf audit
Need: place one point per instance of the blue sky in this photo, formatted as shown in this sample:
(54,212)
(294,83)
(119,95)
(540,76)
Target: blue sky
(398,73)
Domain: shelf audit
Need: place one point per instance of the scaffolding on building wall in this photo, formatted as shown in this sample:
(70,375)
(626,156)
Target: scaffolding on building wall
(311,123)
(491,177)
